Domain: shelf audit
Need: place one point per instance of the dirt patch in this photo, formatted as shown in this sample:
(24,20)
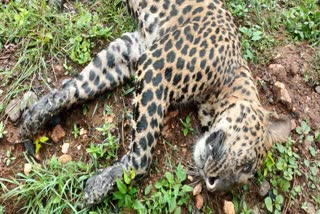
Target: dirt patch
(296,73)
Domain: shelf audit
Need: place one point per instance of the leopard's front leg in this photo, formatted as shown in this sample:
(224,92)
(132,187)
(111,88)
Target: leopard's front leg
(110,68)
(150,105)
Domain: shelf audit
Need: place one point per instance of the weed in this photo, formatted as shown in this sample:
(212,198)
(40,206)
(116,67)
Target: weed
(105,150)
(51,187)
(126,195)
(286,166)
(3,132)
(105,128)
(170,193)
(84,109)
(9,158)
(187,126)
(39,141)
(107,109)
(76,131)
(303,21)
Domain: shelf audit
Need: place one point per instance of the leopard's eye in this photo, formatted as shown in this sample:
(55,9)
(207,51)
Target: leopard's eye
(247,167)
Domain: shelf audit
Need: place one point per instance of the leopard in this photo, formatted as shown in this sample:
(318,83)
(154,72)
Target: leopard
(182,51)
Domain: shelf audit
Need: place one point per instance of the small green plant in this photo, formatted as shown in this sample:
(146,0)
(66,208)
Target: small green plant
(126,195)
(9,158)
(3,132)
(245,209)
(105,150)
(187,126)
(76,131)
(84,109)
(108,109)
(170,194)
(39,142)
(105,128)
(303,21)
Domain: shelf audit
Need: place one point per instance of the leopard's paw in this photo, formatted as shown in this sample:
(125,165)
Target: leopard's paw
(42,111)
(99,185)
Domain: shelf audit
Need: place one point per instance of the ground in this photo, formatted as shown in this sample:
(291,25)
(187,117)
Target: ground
(277,58)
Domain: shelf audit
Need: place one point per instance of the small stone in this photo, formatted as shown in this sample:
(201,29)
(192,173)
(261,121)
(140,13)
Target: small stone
(278,70)
(190,178)
(83,132)
(58,69)
(109,118)
(184,150)
(293,124)
(13,110)
(57,133)
(49,80)
(65,158)
(197,189)
(228,207)
(317,89)
(282,94)
(79,147)
(264,188)
(28,99)
(27,169)
(38,157)
(199,201)
(65,148)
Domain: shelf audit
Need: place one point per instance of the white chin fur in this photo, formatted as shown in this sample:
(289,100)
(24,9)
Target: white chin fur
(199,152)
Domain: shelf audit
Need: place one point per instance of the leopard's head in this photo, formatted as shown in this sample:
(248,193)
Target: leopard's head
(235,146)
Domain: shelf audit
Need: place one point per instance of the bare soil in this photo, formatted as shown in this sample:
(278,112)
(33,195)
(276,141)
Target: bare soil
(296,59)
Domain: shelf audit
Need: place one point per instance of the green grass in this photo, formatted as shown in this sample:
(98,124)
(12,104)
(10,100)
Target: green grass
(264,24)
(41,35)
(50,187)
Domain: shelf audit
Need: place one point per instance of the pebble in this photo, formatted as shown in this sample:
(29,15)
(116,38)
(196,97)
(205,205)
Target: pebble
(27,169)
(58,69)
(197,189)
(199,201)
(57,133)
(13,110)
(293,124)
(317,89)
(228,207)
(28,99)
(282,94)
(264,188)
(65,148)
(65,158)
(190,178)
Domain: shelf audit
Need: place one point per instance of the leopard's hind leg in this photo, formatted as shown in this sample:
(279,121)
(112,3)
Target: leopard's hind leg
(110,68)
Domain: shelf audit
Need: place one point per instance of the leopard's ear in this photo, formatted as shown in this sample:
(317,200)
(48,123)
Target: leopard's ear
(278,128)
